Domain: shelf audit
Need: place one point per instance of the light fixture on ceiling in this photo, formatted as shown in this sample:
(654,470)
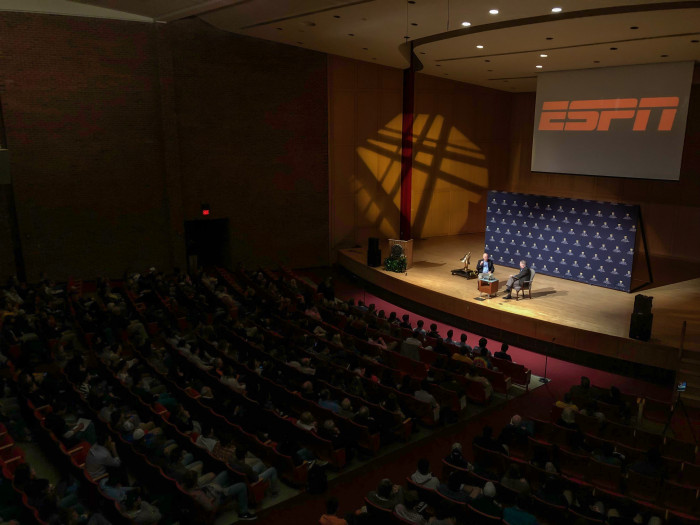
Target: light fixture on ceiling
(493,11)
(543,55)
(466,24)
(556,9)
(480,46)
(538,66)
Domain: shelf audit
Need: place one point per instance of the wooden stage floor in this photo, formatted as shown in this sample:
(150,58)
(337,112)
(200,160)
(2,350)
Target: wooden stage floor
(579,316)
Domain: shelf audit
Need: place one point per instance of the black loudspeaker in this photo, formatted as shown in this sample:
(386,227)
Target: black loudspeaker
(373,244)
(640,326)
(642,304)
(374,258)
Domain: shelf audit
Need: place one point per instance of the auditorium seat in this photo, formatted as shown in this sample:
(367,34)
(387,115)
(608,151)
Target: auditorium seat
(656,411)
(580,519)
(641,487)
(683,450)
(604,475)
(690,475)
(476,517)
(680,498)
(554,513)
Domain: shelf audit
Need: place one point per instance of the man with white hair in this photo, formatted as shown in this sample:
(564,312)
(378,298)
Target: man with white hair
(514,433)
(486,502)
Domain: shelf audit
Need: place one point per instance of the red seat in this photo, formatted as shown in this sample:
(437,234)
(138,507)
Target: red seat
(573,465)
(656,410)
(581,519)
(683,450)
(604,475)
(554,513)
(477,517)
(690,475)
(79,453)
(641,487)
(680,498)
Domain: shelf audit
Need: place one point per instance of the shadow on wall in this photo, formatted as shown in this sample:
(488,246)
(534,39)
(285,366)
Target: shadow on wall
(449,174)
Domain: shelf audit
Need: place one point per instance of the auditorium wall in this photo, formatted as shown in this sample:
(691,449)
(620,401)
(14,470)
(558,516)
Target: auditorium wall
(119,130)
(461,148)
(670,209)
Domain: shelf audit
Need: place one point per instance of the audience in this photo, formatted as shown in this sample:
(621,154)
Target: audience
(423,476)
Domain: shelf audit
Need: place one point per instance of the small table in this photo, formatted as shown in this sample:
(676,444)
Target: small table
(487,286)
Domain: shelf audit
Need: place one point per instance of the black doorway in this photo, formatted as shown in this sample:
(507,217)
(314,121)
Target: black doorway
(207,243)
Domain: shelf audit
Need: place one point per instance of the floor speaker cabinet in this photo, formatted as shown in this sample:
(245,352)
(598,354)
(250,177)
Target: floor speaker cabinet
(640,326)
(373,244)
(642,304)
(374,258)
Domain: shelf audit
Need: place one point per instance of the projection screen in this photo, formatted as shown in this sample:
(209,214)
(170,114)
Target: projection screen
(624,121)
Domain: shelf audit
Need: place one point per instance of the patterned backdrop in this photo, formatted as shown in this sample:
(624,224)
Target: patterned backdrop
(587,241)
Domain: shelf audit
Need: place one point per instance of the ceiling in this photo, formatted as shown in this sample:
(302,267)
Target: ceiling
(585,34)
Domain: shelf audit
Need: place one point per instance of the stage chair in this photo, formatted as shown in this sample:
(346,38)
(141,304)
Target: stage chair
(526,286)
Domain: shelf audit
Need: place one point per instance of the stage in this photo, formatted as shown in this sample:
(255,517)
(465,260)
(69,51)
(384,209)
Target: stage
(577,316)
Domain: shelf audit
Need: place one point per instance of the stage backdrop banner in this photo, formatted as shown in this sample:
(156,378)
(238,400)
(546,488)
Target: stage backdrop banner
(581,240)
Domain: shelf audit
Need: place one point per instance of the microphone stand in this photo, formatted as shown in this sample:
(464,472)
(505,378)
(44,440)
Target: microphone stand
(545,379)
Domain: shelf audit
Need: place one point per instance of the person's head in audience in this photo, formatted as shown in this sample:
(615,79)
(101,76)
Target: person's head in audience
(424,466)
(482,342)
(363,412)
(381,314)
(384,488)
(504,348)
(568,415)
(516,421)
(332,506)
(405,318)
(456,450)
(420,323)
(189,480)
(392,317)
(433,327)
(325,395)
(463,338)
(513,472)
(306,418)
(450,333)
(489,490)
(585,383)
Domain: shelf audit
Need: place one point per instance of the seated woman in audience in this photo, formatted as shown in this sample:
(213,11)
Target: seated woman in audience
(486,502)
(391,404)
(568,419)
(456,458)
(475,375)
(387,495)
(552,491)
(307,422)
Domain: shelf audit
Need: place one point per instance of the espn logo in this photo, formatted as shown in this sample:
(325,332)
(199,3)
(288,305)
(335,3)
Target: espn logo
(596,115)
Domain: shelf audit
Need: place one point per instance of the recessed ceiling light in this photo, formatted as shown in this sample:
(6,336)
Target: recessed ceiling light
(556,9)
(549,38)
(351,34)
(489,70)
(438,65)
(634,27)
(336,16)
(278,28)
(664,56)
(466,24)
(613,49)
(365,49)
(480,46)
(413,24)
(538,67)
(596,61)
(493,11)
(694,41)
(543,55)
(487,60)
